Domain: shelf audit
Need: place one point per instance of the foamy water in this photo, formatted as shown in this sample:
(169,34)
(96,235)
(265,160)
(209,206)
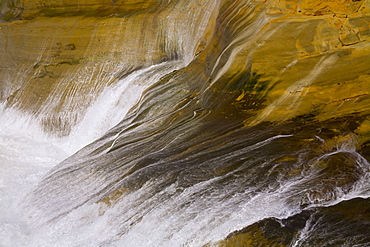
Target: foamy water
(25,156)
(191,215)
(27,153)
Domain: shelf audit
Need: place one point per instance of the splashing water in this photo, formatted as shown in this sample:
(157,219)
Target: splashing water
(27,152)
(162,159)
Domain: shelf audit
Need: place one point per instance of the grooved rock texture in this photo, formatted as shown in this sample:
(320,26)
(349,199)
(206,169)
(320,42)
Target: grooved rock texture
(63,53)
(58,56)
(292,70)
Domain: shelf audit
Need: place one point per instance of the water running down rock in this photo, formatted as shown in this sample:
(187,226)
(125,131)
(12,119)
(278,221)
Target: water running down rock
(184,123)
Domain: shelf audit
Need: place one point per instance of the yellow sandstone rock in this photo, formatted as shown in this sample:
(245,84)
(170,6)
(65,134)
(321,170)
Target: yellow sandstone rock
(59,55)
(312,56)
(309,7)
(63,53)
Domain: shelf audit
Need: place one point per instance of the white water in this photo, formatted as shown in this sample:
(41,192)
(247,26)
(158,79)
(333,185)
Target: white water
(27,152)
(25,156)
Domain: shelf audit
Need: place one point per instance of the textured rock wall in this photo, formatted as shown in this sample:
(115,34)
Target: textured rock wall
(307,7)
(57,56)
(289,62)
(315,55)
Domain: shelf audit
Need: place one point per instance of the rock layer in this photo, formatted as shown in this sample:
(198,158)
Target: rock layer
(261,83)
(57,55)
(55,61)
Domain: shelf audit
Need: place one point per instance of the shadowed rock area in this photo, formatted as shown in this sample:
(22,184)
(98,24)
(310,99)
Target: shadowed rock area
(340,225)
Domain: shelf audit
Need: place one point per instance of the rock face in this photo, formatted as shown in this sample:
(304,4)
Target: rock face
(247,69)
(60,54)
(317,51)
(317,8)
(330,223)
(10,10)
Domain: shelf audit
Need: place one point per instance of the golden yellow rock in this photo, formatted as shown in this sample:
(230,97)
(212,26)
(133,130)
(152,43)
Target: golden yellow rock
(244,62)
(311,57)
(113,197)
(253,237)
(63,53)
(94,8)
(343,7)
(63,56)
(10,9)
(309,7)
(363,131)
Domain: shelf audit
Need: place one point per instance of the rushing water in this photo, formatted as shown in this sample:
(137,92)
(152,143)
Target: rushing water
(174,155)
(27,152)
(173,195)
(191,180)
